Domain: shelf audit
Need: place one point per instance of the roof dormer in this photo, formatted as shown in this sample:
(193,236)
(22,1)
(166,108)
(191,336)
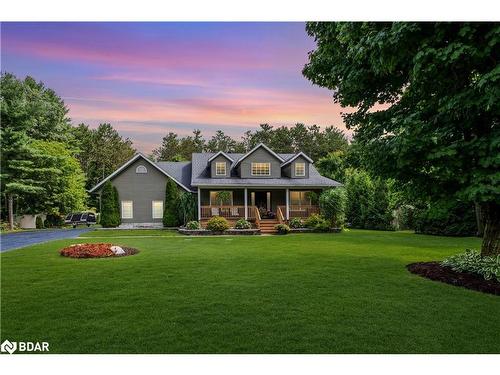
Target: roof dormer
(220,165)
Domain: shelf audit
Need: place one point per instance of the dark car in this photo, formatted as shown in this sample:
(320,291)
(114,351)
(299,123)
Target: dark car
(76,218)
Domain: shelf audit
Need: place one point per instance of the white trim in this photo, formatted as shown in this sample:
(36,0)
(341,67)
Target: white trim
(141,169)
(199,204)
(134,158)
(153,210)
(287,215)
(257,147)
(220,153)
(225,168)
(296,156)
(246,204)
(131,209)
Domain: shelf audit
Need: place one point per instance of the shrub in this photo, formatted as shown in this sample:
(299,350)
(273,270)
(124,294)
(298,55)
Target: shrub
(217,224)
(282,228)
(243,224)
(193,225)
(322,226)
(312,220)
(332,203)
(296,222)
(170,215)
(446,218)
(223,197)
(39,222)
(110,214)
(187,207)
(471,261)
(54,221)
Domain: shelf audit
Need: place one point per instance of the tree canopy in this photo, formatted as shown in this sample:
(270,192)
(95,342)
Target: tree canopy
(426,104)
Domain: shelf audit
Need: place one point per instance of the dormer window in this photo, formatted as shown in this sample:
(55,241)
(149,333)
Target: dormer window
(220,168)
(141,169)
(300,169)
(261,169)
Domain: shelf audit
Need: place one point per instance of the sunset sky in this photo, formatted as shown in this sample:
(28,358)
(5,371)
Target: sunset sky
(147,79)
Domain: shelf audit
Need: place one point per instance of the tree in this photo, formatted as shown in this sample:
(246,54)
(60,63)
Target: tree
(333,203)
(170,216)
(174,148)
(116,207)
(186,207)
(100,151)
(110,218)
(426,99)
(332,166)
(28,111)
(222,142)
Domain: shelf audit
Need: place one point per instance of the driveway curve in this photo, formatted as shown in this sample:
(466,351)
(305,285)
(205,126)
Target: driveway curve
(12,241)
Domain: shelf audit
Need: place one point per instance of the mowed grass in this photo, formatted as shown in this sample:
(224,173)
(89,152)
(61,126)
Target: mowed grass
(304,293)
(114,233)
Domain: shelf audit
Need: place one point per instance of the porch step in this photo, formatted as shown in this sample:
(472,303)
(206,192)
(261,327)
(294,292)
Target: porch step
(267,225)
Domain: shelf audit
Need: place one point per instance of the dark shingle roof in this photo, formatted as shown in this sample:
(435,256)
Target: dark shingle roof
(200,175)
(181,171)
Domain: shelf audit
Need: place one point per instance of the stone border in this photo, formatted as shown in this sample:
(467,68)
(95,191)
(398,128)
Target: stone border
(205,232)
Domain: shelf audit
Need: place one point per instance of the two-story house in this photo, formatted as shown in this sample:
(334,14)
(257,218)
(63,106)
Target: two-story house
(261,186)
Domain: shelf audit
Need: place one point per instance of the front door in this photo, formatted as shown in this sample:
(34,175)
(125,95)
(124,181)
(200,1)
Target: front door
(263,201)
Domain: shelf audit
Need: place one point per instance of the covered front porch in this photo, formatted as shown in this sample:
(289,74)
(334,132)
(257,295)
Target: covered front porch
(257,204)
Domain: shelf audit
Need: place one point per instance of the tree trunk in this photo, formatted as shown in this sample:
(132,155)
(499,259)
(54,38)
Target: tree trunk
(479,219)
(11,211)
(491,238)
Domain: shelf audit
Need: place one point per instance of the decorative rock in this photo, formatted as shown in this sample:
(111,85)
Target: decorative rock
(117,250)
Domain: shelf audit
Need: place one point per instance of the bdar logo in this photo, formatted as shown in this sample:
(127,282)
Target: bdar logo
(8,346)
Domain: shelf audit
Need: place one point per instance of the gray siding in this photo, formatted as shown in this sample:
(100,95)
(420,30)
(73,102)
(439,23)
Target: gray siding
(142,189)
(260,155)
(300,159)
(218,159)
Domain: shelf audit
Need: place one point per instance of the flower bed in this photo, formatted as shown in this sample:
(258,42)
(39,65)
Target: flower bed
(96,250)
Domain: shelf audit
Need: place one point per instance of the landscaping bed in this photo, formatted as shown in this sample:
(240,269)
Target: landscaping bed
(206,232)
(435,271)
(96,250)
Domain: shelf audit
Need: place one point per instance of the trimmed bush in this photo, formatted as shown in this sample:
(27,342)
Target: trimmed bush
(471,261)
(110,213)
(282,228)
(217,224)
(296,222)
(116,199)
(193,225)
(170,214)
(322,226)
(312,220)
(243,224)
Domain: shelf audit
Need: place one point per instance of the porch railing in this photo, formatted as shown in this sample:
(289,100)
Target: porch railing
(228,212)
(280,216)
(300,211)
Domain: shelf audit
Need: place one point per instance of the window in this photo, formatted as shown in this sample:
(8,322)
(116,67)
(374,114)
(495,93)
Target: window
(300,198)
(300,169)
(127,210)
(157,208)
(141,169)
(220,169)
(261,169)
(223,199)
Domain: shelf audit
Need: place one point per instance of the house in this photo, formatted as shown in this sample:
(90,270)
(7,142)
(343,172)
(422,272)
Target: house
(261,186)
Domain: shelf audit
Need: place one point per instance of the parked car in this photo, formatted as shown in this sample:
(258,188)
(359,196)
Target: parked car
(75,218)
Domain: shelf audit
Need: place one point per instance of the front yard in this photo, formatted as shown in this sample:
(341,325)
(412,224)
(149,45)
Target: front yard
(301,293)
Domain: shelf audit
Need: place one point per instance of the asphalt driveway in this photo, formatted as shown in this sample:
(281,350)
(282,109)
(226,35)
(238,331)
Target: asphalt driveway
(13,241)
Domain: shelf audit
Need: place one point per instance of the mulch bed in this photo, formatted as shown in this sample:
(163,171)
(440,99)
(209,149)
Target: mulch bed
(434,271)
(94,250)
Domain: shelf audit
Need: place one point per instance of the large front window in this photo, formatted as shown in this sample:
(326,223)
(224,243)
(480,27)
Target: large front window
(261,169)
(221,198)
(300,198)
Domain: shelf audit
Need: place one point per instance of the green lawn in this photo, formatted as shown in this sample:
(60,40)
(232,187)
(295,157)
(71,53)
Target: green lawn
(304,293)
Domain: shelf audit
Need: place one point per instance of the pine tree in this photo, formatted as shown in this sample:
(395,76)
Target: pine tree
(170,216)
(116,207)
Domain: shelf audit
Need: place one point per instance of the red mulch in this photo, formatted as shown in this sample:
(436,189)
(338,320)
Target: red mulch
(437,272)
(94,250)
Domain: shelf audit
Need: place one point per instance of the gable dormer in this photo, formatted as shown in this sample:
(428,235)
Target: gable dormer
(220,165)
(259,162)
(297,166)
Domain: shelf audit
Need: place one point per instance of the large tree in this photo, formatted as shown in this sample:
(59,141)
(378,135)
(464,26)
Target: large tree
(100,151)
(426,99)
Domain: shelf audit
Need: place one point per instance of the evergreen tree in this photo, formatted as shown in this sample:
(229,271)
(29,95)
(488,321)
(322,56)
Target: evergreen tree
(108,206)
(116,211)
(170,215)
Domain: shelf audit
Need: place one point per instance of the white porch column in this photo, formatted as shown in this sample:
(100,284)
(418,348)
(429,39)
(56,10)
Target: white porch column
(287,204)
(199,205)
(246,204)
